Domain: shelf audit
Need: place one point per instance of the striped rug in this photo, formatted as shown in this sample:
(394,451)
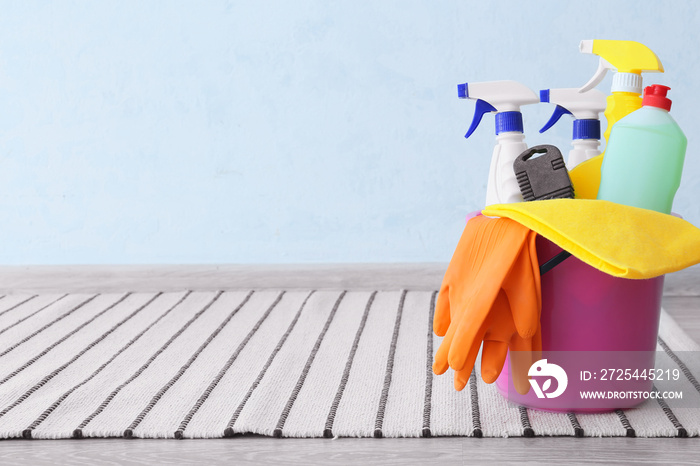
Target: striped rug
(277,363)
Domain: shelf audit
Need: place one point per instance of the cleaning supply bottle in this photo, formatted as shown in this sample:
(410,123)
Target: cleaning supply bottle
(505,99)
(644,158)
(629,59)
(585,107)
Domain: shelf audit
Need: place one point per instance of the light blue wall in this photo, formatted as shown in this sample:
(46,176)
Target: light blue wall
(286,131)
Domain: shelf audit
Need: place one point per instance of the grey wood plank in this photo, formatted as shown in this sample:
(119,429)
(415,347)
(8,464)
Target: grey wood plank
(239,451)
(618,450)
(116,278)
(110,278)
(348,451)
(686,311)
(683,283)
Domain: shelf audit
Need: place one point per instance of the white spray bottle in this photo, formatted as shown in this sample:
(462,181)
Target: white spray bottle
(585,107)
(505,99)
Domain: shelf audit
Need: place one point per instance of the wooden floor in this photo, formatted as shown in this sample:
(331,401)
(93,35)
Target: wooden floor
(364,452)
(682,301)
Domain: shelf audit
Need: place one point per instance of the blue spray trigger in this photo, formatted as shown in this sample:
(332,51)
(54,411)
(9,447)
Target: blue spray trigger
(482,107)
(558,113)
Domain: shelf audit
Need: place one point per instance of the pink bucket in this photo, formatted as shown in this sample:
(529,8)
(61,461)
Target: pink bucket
(591,323)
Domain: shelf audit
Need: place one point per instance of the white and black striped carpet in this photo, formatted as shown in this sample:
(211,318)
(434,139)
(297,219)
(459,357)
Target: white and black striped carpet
(290,364)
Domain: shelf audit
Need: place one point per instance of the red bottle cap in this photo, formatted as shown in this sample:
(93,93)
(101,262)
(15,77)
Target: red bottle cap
(655,96)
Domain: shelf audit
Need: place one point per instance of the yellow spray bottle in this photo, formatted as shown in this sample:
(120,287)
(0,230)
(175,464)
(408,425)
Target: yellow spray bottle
(629,59)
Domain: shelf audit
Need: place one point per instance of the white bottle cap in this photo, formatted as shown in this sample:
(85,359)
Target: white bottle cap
(627,82)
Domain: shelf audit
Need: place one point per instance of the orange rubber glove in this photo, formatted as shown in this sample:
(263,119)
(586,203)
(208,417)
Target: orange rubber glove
(490,293)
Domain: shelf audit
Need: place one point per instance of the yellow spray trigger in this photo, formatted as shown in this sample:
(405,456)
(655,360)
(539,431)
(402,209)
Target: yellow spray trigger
(619,240)
(626,55)
(629,59)
(623,56)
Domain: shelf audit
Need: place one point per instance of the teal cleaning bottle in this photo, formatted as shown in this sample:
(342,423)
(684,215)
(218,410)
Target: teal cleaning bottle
(644,157)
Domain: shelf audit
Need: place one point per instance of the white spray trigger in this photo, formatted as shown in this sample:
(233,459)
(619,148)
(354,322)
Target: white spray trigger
(603,67)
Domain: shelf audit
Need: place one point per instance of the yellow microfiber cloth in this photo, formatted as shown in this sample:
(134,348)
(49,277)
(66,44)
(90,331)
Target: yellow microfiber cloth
(619,240)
